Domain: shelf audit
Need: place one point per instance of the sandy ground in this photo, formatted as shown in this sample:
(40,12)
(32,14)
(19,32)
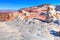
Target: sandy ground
(18,29)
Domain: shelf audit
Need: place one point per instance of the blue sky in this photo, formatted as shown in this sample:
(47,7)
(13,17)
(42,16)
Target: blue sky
(18,4)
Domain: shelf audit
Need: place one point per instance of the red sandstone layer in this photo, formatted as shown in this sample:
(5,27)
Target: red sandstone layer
(6,16)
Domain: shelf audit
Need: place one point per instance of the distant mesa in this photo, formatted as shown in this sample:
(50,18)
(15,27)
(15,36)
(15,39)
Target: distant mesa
(6,15)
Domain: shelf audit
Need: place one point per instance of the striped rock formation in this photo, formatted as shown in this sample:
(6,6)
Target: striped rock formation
(43,12)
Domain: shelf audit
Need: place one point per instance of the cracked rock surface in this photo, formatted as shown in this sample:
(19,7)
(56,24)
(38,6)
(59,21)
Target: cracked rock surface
(18,29)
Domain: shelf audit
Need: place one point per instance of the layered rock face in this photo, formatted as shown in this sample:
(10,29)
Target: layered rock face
(42,12)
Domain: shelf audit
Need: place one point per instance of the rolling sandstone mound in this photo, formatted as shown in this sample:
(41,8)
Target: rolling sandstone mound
(8,33)
(35,30)
(21,25)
